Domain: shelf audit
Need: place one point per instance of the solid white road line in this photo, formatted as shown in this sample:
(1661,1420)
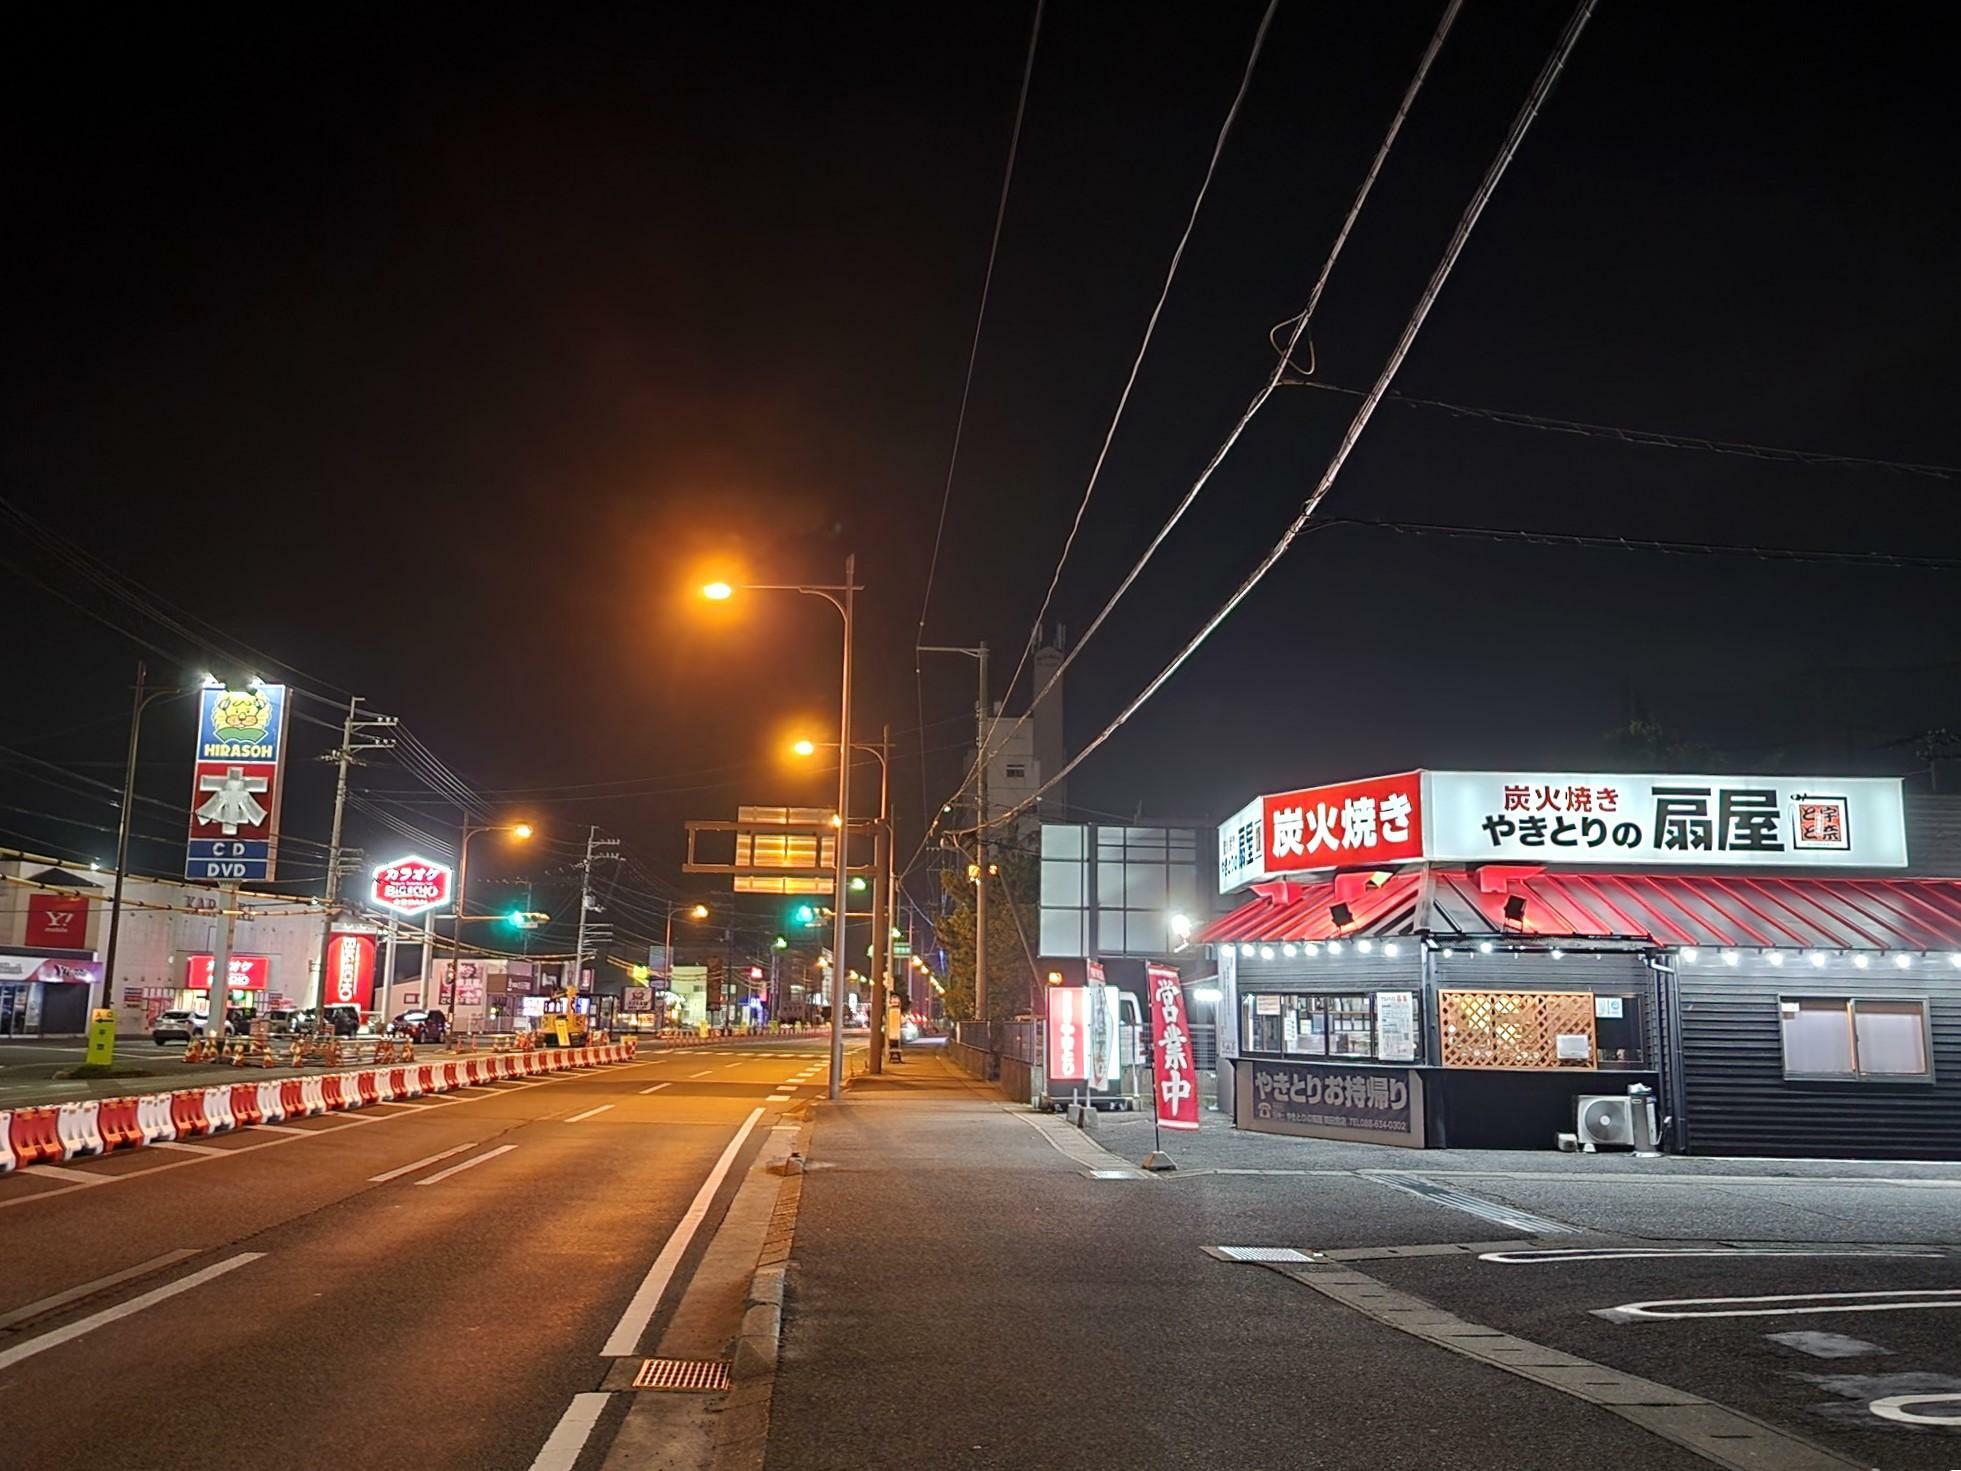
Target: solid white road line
(655,1089)
(1911,1299)
(568,1438)
(625,1336)
(68,1332)
(79,1177)
(186,1148)
(89,1289)
(409,1169)
(588,1113)
(468,1164)
(702,1074)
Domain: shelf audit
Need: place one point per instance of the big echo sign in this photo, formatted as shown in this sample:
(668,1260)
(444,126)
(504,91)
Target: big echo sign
(411,885)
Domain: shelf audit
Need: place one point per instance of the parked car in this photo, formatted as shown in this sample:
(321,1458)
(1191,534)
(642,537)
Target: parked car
(176,1026)
(181,1026)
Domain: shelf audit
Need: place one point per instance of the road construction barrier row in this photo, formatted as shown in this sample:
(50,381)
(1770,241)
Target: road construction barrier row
(57,1132)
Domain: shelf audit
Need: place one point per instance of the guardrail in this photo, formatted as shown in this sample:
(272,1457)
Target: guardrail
(58,1132)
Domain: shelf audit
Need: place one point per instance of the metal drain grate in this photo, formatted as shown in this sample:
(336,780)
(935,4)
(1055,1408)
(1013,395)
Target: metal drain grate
(692,1376)
(1262,1254)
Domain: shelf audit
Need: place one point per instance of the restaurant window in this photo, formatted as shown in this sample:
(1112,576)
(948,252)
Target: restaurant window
(1542,1029)
(1852,1038)
(1337,1026)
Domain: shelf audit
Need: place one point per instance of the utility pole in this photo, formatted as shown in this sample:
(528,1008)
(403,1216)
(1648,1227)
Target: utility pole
(598,849)
(981,814)
(881,914)
(980,879)
(348,755)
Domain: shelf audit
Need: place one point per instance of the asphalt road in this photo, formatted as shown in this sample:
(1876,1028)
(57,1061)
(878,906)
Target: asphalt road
(969,1295)
(421,1283)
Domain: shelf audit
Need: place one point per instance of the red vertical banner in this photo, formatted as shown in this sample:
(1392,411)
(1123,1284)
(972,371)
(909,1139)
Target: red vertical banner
(1068,1050)
(350,970)
(1171,1052)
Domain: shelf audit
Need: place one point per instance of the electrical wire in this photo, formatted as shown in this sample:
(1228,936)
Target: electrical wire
(1521,124)
(966,392)
(1648,438)
(1650,544)
(1143,347)
(1300,325)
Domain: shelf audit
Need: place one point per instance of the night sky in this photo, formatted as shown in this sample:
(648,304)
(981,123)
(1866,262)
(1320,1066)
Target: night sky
(443,357)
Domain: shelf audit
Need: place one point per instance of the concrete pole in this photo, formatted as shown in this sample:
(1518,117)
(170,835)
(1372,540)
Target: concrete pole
(219,996)
(431,993)
(881,916)
(982,811)
(388,975)
(122,840)
(342,757)
(839,955)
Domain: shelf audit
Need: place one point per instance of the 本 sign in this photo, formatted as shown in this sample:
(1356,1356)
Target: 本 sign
(235,784)
(1068,1034)
(410,885)
(1644,821)
(1173,1070)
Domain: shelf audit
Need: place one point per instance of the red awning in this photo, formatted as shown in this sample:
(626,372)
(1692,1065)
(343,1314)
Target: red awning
(1755,911)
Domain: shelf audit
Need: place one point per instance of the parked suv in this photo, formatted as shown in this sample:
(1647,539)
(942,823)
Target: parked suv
(181,1026)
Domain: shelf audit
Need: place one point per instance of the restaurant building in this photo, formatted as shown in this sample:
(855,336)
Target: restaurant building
(1446,958)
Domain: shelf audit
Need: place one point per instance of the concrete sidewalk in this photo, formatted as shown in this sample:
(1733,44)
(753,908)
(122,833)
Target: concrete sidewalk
(967,1291)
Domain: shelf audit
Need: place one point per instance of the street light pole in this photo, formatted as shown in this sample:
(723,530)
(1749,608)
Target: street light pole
(838,952)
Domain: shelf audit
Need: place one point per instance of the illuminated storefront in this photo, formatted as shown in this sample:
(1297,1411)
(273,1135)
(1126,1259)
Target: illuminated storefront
(1456,958)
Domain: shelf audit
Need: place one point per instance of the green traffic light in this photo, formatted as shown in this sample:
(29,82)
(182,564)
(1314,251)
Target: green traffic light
(857,883)
(805,914)
(515,919)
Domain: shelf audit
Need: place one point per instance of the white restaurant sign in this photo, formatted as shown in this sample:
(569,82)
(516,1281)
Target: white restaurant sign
(1570,818)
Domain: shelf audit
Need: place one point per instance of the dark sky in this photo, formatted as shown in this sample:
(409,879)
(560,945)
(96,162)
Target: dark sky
(440,355)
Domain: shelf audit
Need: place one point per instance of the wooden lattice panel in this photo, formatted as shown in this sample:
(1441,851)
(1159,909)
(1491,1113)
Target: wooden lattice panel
(1514,1029)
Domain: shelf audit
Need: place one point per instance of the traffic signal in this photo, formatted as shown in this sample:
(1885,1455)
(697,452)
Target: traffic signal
(525,919)
(857,883)
(805,914)
(781,942)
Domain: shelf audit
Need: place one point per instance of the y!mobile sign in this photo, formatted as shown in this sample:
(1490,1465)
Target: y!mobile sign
(1638,821)
(235,784)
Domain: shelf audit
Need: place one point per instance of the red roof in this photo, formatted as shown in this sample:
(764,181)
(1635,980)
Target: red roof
(1671,910)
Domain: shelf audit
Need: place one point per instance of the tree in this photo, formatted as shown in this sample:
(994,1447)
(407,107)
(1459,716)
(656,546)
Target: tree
(1011,897)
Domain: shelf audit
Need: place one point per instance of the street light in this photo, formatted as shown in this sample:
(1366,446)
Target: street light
(522,832)
(700,911)
(886,902)
(841,597)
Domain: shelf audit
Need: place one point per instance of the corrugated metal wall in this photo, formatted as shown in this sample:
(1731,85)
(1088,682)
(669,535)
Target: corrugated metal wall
(1739,1102)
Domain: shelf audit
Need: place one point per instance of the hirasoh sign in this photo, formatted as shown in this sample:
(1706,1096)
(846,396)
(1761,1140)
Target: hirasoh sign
(235,785)
(1568,818)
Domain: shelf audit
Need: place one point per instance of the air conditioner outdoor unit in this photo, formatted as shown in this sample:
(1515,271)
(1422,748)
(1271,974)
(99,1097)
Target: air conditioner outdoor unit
(1605,1118)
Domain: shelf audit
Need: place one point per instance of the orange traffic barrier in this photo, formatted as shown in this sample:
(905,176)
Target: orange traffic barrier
(245,1104)
(187,1113)
(33,1136)
(117,1121)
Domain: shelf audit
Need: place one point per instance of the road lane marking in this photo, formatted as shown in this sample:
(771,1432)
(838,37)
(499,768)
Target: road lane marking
(1555,1255)
(468,1164)
(588,1113)
(777,1098)
(568,1437)
(431,1159)
(55,1337)
(1894,1407)
(178,1144)
(1490,1210)
(702,1074)
(625,1337)
(1827,1345)
(89,1289)
(655,1089)
(79,1177)
(1826,1302)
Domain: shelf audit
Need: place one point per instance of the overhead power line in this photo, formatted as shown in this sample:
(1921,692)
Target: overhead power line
(1649,438)
(1650,544)
(1299,327)
(1143,347)
(966,392)
(1521,124)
